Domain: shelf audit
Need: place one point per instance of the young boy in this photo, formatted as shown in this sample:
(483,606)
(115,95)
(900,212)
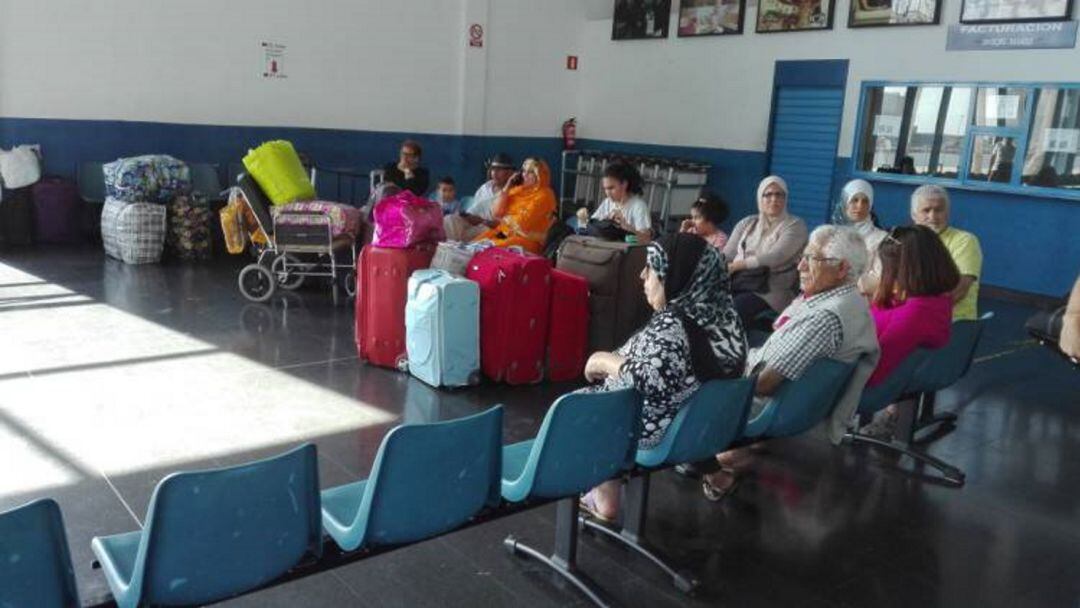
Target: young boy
(446,195)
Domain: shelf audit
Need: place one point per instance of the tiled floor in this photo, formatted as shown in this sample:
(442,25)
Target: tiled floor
(112,376)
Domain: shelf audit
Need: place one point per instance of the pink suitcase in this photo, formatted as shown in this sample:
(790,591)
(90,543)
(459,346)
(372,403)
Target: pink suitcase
(381,293)
(515,296)
(568,326)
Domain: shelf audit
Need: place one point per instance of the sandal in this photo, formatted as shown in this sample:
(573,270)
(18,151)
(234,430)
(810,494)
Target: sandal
(587,503)
(715,494)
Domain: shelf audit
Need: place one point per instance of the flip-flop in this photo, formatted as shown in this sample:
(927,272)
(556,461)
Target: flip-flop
(587,503)
(715,494)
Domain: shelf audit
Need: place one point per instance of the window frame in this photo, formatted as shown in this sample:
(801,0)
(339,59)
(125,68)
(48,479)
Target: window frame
(1021,132)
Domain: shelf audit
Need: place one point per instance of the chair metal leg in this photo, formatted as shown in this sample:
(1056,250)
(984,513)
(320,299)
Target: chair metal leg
(951,474)
(633,531)
(927,418)
(563,559)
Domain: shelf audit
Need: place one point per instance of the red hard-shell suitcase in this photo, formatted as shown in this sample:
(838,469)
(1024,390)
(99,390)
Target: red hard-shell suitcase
(515,296)
(568,326)
(381,293)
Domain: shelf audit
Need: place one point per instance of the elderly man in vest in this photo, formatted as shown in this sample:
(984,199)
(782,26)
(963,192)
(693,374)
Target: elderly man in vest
(831,319)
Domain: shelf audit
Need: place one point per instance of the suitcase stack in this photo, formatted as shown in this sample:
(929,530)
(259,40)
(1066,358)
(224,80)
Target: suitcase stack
(617,305)
(134,219)
(515,296)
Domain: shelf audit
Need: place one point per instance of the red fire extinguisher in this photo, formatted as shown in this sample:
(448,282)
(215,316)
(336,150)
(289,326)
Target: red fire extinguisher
(569,134)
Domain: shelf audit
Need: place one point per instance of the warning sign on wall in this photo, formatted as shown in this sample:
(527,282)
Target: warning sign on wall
(273,60)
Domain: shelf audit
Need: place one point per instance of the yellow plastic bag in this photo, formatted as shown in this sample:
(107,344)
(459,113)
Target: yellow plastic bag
(276,168)
(231,226)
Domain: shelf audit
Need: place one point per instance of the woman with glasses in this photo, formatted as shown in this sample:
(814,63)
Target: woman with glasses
(763,253)
(912,305)
(407,173)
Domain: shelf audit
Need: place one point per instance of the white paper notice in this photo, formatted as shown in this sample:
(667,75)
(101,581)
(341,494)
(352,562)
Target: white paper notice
(273,55)
(1062,140)
(887,126)
(1002,107)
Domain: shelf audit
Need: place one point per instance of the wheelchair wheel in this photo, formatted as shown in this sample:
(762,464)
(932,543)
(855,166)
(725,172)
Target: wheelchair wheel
(288,280)
(256,283)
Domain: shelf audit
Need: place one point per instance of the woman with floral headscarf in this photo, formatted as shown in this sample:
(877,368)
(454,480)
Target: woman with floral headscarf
(694,335)
(525,209)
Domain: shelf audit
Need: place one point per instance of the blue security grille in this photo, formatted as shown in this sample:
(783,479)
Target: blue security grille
(806,128)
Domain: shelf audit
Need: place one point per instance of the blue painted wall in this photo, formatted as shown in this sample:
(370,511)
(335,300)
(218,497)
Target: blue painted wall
(1029,244)
(67,142)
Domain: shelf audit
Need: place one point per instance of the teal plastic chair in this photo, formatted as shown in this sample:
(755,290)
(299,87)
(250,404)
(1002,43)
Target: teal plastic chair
(585,439)
(943,368)
(891,390)
(205,180)
(427,479)
(35,564)
(710,420)
(801,405)
(90,177)
(214,534)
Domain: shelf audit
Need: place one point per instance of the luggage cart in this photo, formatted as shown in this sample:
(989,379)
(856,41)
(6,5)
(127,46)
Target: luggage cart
(277,264)
(669,185)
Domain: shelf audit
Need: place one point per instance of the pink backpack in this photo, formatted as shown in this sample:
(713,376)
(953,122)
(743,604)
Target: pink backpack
(403,220)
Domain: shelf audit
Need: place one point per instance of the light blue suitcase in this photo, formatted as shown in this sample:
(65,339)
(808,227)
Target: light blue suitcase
(442,328)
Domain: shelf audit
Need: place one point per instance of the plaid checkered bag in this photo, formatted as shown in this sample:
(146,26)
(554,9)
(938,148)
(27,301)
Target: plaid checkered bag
(133,232)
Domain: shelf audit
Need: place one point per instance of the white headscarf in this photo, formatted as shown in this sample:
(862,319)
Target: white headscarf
(866,228)
(766,225)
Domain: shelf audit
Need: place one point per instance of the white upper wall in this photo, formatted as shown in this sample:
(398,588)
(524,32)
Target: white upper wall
(405,65)
(401,65)
(715,91)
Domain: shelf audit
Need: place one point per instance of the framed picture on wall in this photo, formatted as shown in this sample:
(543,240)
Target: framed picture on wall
(1004,11)
(640,19)
(875,13)
(711,17)
(794,15)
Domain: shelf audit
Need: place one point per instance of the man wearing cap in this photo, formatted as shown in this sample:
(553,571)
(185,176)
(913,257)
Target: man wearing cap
(479,217)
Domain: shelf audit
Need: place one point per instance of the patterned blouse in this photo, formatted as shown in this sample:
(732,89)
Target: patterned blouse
(658,366)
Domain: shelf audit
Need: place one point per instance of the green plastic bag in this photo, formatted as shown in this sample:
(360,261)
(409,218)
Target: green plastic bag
(277,169)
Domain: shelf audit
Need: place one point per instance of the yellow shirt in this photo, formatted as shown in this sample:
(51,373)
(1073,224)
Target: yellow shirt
(965,251)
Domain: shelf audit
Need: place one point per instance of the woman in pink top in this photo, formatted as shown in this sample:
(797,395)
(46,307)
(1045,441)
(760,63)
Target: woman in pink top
(706,215)
(912,306)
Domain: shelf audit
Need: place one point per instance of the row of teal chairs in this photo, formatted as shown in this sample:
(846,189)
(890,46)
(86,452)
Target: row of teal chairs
(215,534)
(915,383)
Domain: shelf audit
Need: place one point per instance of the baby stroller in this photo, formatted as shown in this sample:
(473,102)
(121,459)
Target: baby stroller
(277,263)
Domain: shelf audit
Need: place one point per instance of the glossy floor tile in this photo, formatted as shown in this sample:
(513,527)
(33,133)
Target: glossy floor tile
(113,376)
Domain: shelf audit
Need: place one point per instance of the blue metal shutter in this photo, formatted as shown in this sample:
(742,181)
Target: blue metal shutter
(805,132)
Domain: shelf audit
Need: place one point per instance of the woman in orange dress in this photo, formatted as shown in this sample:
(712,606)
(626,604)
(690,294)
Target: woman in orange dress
(525,209)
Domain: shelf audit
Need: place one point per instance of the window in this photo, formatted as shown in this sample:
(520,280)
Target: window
(1011,137)
(917,130)
(1053,152)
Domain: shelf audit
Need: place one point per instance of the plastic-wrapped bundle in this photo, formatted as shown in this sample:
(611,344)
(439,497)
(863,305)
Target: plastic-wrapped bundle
(189,229)
(153,178)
